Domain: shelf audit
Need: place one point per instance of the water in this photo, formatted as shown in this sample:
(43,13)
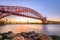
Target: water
(46,29)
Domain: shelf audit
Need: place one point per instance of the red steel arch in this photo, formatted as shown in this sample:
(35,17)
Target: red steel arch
(8,10)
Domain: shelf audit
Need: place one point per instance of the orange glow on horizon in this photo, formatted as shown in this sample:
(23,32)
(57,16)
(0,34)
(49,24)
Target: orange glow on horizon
(22,19)
(53,19)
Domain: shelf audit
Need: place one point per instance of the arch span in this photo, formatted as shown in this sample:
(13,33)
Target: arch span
(17,10)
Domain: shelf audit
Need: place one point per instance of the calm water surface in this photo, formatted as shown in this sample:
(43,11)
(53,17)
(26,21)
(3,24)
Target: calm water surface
(46,29)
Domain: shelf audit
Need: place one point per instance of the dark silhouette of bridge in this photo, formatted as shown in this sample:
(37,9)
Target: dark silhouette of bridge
(21,11)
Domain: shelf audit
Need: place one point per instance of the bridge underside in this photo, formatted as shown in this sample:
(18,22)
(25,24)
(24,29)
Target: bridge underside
(4,13)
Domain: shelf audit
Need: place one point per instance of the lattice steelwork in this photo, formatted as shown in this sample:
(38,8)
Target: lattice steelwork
(18,10)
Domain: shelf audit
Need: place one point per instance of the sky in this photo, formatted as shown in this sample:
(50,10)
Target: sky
(48,8)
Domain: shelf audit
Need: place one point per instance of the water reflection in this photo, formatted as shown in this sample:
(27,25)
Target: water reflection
(53,29)
(17,28)
(46,29)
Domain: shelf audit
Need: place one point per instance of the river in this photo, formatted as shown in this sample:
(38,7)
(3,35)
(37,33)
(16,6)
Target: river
(49,29)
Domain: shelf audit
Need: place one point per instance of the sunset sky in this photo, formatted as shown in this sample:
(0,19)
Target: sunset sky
(48,8)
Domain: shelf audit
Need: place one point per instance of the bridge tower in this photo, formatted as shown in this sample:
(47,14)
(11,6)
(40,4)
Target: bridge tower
(44,20)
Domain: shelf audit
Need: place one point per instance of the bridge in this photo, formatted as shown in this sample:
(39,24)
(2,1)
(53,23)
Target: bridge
(21,11)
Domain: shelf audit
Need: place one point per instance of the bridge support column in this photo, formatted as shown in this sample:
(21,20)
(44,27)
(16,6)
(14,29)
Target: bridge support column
(44,20)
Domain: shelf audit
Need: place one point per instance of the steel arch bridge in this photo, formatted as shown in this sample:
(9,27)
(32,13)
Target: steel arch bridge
(19,10)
